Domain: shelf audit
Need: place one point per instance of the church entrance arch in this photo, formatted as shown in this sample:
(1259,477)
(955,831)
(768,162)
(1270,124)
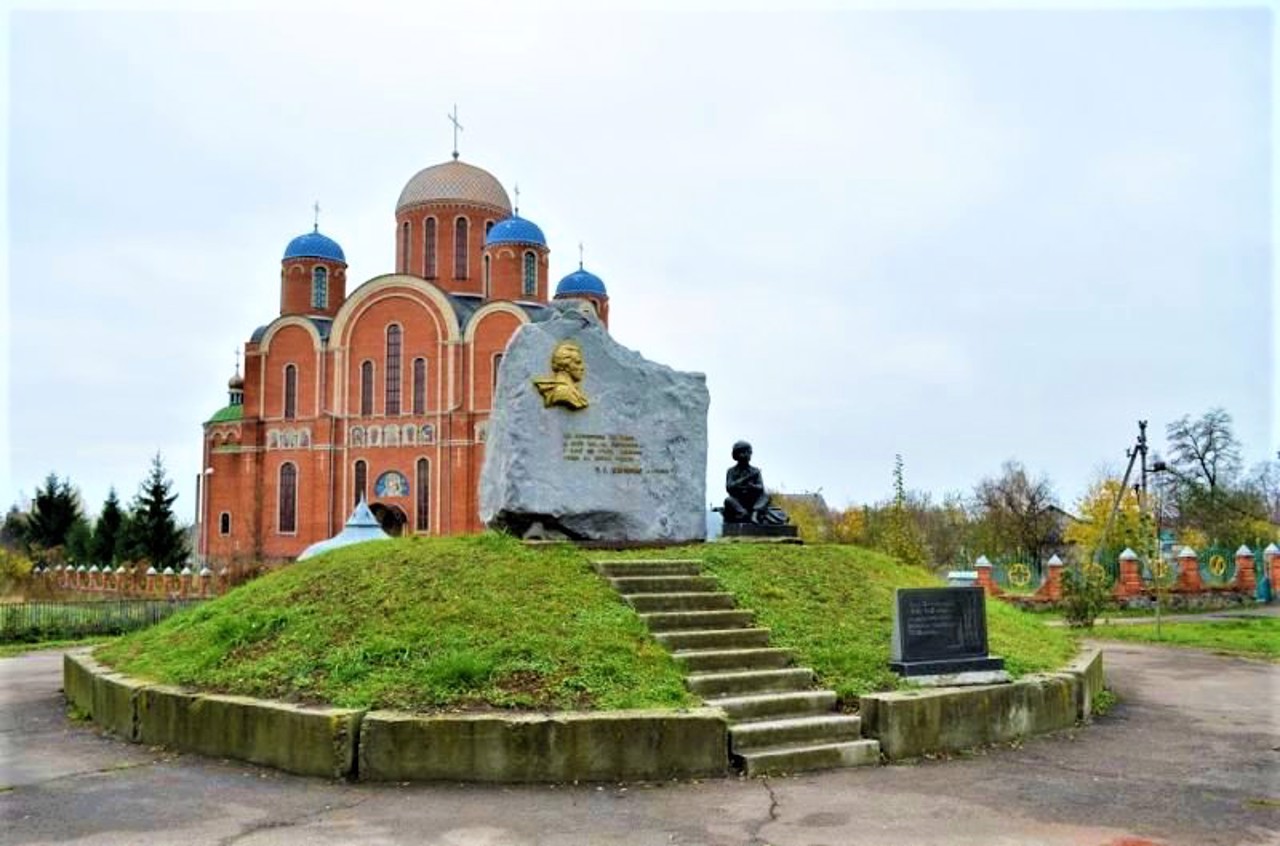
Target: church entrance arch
(391,517)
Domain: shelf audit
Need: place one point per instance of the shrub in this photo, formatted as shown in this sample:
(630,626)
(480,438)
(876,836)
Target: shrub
(1084,596)
(15,570)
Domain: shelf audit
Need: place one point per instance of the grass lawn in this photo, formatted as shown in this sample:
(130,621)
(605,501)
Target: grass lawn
(8,650)
(1251,636)
(833,605)
(422,624)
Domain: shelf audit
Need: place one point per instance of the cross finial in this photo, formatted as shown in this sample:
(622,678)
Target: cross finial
(316,227)
(579,255)
(517,198)
(237,362)
(453,118)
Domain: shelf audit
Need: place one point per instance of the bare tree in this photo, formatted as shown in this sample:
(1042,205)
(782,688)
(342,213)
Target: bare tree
(1205,449)
(1016,511)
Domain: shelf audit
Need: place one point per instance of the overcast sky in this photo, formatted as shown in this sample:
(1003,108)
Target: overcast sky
(964,236)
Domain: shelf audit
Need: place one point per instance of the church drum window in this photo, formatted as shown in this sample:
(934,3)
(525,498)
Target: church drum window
(288,516)
(429,248)
(530,273)
(290,392)
(460,248)
(362,481)
(487,279)
(224,523)
(366,389)
(419,386)
(320,287)
(422,495)
(404,248)
(393,370)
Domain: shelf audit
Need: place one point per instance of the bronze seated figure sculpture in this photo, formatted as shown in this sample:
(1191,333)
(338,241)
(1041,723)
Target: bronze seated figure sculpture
(747,502)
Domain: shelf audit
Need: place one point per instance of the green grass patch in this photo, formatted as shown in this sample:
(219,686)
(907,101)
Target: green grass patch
(9,650)
(1257,637)
(420,624)
(833,605)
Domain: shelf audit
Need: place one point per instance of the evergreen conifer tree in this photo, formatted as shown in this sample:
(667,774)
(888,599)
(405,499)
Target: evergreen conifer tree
(54,512)
(153,533)
(108,532)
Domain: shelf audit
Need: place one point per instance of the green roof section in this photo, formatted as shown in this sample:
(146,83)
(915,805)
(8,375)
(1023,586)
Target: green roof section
(224,415)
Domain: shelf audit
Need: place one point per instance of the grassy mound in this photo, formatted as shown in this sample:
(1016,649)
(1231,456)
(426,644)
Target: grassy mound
(833,605)
(478,622)
(417,624)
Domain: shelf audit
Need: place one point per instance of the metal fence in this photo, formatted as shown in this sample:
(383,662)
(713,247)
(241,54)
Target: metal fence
(1017,573)
(33,621)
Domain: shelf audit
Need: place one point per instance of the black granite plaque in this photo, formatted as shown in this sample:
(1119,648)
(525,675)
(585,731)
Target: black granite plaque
(940,631)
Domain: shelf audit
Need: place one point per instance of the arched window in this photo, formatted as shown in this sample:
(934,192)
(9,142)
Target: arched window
(423,505)
(419,386)
(488,227)
(224,523)
(320,287)
(497,362)
(404,247)
(429,248)
(362,481)
(288,517)
(393,370)
(530,273)
(366,389)
(290,392)
(487,278)
(460,248)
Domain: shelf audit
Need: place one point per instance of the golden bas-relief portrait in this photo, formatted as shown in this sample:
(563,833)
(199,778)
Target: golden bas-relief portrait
(564,385)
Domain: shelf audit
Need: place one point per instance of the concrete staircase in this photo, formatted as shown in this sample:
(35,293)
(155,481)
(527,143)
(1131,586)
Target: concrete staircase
(777,722)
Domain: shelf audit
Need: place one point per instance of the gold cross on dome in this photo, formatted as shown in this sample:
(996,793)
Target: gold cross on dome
(316,227)
(453,118)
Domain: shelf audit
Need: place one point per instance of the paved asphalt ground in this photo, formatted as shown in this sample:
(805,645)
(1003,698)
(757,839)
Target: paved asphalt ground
(1191,755)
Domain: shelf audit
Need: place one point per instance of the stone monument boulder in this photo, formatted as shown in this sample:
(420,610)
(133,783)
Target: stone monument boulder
(591,441)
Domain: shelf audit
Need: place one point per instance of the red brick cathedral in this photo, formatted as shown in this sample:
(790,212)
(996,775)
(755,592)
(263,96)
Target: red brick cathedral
(384,392)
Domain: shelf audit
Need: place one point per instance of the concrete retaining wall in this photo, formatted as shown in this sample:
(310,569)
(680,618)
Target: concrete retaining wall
(911,723)
(612,746)
(623,745)
(383,745)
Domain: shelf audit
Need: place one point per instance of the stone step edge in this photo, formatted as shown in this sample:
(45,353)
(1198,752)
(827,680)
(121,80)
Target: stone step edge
(744,652)
(745,675)
(802,747)
(820,728)
(678,616)
(764,753)
(800,697)
(648,560)
(684,594)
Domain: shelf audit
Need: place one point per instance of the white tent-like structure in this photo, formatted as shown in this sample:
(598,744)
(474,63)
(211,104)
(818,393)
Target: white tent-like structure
(361,526)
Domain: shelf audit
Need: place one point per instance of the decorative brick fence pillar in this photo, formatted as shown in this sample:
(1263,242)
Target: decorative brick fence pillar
(1246,578)
(151,579)
(206,579)
(1129,582)
(1188,571)
(1051,590)
(985,580)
